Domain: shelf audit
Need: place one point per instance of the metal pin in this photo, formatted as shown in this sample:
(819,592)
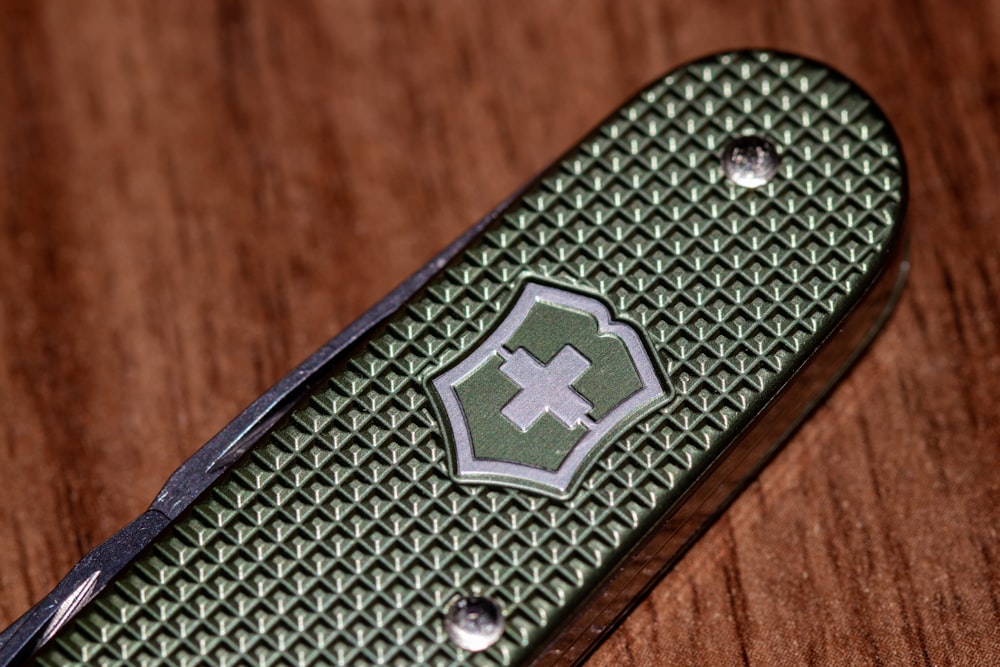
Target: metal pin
(474,623)
(750,161)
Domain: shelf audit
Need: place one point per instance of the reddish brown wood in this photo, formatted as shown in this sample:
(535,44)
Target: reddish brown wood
(195,195)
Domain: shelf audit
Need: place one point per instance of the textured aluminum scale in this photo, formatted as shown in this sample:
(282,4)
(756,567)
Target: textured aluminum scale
(499,459)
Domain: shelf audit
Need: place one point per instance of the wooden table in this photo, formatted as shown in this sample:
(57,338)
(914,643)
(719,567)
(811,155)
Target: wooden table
(195,195)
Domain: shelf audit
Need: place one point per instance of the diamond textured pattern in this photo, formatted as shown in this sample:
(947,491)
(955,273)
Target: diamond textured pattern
(343,537)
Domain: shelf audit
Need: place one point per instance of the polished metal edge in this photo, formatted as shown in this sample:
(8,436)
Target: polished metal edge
(739,463)
(197,474)
(85,580)
(735,467)
(579,636)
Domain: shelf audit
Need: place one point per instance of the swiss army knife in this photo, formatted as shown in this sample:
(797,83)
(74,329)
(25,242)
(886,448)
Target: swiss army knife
(497,460)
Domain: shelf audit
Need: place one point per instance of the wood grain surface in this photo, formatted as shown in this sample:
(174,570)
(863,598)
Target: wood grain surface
(195,195)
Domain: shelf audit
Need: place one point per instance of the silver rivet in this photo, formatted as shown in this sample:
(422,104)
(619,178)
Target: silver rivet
(750,161)
(474,623)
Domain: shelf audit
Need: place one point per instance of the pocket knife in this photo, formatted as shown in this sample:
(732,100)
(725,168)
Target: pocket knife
(498,460)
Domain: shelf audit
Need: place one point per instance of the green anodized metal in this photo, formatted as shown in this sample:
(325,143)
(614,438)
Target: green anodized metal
(575,391)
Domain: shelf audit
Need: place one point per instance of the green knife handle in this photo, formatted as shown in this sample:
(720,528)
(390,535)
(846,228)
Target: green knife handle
(555,410)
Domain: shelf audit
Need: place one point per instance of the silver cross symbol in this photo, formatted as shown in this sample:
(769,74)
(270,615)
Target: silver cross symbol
(546,388)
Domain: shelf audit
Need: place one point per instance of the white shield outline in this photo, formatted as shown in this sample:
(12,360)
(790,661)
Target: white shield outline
(470,468)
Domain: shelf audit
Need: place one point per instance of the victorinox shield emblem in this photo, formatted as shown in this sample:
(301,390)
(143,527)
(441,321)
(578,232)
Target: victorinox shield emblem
(547,387)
